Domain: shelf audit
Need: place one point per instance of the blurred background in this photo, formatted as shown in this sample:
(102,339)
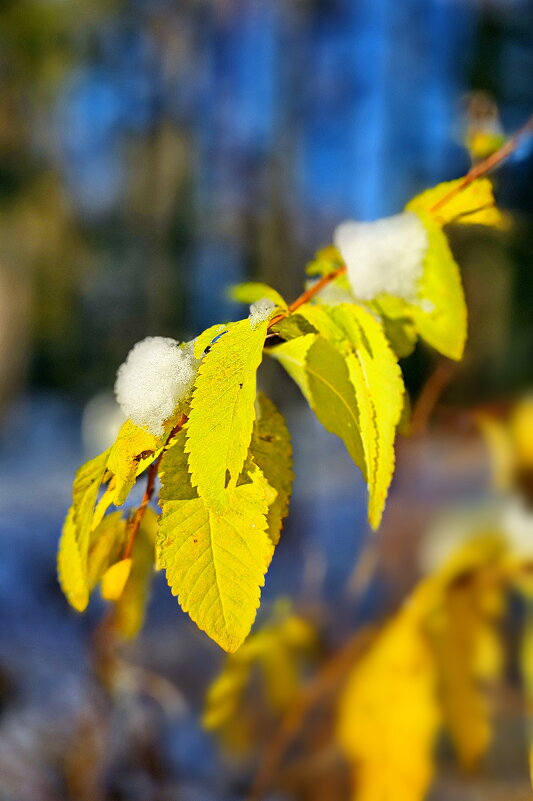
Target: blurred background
(152,152)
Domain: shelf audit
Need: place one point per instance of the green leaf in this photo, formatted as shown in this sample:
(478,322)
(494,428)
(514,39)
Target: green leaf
(272,452)
(214,563)
(222,412)
(440,309)
(321,373)
(133,451)
(253,291)
(398,323)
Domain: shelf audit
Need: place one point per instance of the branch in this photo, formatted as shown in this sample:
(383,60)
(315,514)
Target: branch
(487,165)
(481,169)
(149,491)
(308,294)
(326,678)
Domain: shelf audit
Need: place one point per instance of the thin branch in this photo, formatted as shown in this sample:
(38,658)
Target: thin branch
(308,294)
(487,165)
(481,169)
(149,491)
(429,397)
(323,682)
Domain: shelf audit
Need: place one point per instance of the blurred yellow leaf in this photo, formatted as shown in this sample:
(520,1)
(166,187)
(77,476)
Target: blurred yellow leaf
(114,579)
(521,432)
(469,654)
(70,569)
(439,311)
(472,205)
(498,441)
(107,541)
(276,652)
(388,714)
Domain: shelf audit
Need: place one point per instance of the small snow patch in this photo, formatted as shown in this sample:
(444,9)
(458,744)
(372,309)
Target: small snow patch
(383,256)
(156,376)
(260,311)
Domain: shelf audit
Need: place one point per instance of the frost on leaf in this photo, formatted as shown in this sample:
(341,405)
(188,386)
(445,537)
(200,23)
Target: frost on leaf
(383,256)
(156,376)
(260,311)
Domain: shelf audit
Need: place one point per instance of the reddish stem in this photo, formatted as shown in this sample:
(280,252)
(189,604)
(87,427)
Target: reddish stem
(149,491)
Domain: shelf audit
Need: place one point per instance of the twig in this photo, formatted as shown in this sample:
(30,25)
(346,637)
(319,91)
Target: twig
(429,397)
(488,164)
(481,169)
(149,491)
(327,676)
(308,294)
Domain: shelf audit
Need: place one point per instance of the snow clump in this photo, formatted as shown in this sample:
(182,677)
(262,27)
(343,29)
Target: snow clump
(260,311)
(155,377)
(383,256)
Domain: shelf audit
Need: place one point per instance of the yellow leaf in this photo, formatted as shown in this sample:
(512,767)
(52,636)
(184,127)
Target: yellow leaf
(388,715)
(222,412)
(252,291)
(72,561)
(272,452)
(378,384)
(114,579)
(473,205)
(320,371)
(104,503)
(526,664)
(130,609)
(439,311)
(500,449)
(107,542)
(459,633)
(71,572)
(133,450)
(214,563)
(205,339)
(521,432)
(276,651)
(352,381)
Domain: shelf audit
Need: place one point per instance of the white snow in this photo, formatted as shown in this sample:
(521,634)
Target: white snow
(260,311)
(155,377)
(383,256)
